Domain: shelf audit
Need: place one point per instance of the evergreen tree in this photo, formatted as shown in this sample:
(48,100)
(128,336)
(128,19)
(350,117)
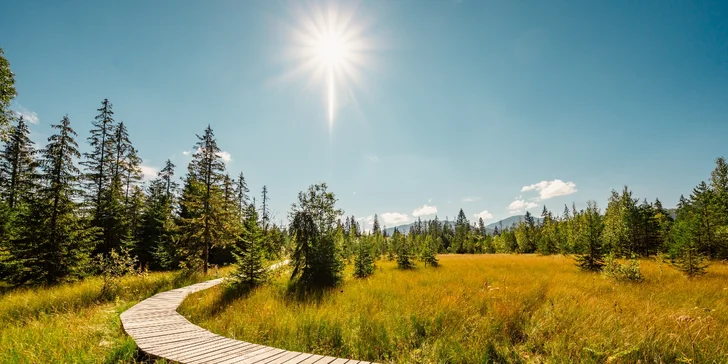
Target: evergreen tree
(402,250)
(591,239)
(248,252)
(17,165)
(704,209)
(55,242)
(241,193)
(687,254)
(316,260)
(203,218)
(376,229)
(363,259)
(428,252)
(462,227)
(7,94)
(265,218)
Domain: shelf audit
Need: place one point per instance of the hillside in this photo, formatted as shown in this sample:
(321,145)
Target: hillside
(507,222)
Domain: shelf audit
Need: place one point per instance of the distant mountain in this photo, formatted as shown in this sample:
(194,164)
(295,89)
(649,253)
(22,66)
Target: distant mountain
(506,223)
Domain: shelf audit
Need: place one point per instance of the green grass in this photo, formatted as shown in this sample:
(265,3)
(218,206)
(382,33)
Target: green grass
(487,308)
(71,323)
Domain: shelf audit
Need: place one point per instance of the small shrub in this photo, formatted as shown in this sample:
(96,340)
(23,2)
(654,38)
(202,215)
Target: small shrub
(112,267)
(622,272)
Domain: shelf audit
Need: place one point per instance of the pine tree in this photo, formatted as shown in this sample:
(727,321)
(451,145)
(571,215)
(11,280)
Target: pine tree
(704,209)
(241,193)
(376,229)
(17,165)
(7,94)
(591,238)
(363,259)
(99,162)
(55,242)
(265,218)
(688,257)
(316,259)
(462,227)
(429,249)
(248,251)
(203,220)
(402,251)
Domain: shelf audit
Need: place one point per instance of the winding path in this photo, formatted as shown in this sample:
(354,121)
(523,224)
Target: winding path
(161,332)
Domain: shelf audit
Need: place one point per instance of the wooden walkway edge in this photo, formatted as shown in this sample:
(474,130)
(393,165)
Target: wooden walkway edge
(160,331)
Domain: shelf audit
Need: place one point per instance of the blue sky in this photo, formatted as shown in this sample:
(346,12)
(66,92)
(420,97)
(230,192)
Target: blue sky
(490,106)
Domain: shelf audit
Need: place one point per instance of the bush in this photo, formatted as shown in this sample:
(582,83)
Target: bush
(112,267)
(622,272)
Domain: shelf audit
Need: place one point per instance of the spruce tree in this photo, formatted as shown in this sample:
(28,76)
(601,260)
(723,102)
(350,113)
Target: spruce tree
(248,253)
(7,94)
(363,258)
(591,238)
(316,259)
(428,252)
(402,251)
(55,242)
(17,165)
(687,254)
(203,220)
(265,218)
(241,193)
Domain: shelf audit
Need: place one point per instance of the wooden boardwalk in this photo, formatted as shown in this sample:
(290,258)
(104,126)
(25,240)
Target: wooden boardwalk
(161,332)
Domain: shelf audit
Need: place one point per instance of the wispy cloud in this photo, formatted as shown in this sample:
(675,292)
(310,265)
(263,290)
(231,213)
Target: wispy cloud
(371,157)
(521,205)
(394,218)
(485,215)
(425,210)
(28,115)
(471,199)
(366,222)
(225,156)
(550,189)
(149,172)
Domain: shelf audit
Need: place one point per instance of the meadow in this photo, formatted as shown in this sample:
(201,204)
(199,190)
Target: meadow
(485,308)
(72,323)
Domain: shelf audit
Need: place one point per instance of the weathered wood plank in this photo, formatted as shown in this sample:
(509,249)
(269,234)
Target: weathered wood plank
(160,331)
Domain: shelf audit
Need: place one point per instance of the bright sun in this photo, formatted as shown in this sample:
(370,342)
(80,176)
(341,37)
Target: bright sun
(329,47)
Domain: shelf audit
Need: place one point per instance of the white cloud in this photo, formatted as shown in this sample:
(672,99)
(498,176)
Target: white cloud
(149,172)
(549,189)
(28,115)
(520,205)
(429,199)
(366,223)
(424,211)
(471,199)
(225,156)
(394,218)
(485,215)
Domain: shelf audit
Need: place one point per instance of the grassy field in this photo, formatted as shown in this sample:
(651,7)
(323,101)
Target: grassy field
(71,324)
(487,308)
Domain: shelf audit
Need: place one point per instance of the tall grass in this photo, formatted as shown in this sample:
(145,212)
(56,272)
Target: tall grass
(74,323)
(487,308)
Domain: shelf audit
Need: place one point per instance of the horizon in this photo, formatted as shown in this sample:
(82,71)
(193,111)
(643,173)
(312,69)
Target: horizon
(496,108)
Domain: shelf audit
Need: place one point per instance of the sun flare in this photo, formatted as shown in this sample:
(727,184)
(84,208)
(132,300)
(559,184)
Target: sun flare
(330,48)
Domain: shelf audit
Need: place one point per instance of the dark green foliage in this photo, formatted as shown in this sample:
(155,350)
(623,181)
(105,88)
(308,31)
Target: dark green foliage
(315,260)
(363,259)
(248,251)
(427,254)
(7,93)
(591,238)
(17,166)
(54,242)
(403,251)
(687,255)
(204,220)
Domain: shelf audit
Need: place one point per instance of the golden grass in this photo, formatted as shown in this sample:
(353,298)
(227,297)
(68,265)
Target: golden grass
(71,323)
(487,308)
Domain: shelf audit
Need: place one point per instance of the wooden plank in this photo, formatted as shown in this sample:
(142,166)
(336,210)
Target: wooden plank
(287,357)
(159,330)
